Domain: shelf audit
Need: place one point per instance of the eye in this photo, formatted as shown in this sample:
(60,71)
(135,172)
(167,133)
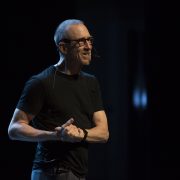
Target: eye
(90,40)
(81,41)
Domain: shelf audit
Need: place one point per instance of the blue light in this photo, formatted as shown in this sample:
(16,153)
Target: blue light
(140,98)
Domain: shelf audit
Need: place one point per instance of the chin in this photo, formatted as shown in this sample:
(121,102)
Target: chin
(86,62)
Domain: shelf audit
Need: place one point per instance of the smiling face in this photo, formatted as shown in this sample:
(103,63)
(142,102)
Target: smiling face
(79,44)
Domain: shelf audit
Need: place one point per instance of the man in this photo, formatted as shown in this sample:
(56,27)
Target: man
(61,109)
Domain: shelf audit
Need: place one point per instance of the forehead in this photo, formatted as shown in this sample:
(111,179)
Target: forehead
(76,31)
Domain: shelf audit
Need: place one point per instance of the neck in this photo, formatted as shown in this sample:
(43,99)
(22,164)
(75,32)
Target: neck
(69,68)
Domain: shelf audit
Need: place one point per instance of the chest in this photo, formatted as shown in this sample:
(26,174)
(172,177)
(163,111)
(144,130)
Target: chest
(70,96)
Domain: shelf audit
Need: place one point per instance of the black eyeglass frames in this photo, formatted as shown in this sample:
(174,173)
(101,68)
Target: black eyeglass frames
(81,41)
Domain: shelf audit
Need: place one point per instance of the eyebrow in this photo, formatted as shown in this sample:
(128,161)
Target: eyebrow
(69,40)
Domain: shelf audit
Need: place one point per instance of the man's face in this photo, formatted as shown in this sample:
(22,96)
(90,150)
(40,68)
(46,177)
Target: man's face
(80,44)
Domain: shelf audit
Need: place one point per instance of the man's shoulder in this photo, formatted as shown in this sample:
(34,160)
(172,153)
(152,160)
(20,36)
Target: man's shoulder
(42,77)
(88,75)
(43,74)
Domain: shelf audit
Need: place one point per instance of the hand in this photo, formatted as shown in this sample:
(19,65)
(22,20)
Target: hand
(69,132)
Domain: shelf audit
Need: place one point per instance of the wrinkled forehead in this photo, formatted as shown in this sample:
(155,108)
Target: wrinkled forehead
(77,31)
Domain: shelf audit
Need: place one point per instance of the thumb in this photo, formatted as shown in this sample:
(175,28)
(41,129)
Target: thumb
(69,122)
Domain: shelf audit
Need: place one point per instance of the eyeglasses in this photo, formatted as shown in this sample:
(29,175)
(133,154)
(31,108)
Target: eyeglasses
(80,42)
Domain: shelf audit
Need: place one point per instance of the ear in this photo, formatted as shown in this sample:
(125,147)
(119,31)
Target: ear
(62,48)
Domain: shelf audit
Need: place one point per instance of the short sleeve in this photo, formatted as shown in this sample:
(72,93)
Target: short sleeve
(32,97)
(96,96)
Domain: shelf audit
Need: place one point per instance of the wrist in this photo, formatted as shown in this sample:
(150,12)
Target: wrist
(85,135)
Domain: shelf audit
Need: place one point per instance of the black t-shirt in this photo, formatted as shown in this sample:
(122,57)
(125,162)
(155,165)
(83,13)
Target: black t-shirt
(54,98)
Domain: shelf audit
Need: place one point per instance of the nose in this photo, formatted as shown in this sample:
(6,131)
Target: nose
(87,44)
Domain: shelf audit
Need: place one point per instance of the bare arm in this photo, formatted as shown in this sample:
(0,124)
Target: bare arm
(100,132)
(97,134)
(19,129)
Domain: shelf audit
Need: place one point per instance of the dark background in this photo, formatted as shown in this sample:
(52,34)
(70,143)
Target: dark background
(135,41)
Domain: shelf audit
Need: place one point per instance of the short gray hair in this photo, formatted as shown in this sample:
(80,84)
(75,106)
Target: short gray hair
(62,27)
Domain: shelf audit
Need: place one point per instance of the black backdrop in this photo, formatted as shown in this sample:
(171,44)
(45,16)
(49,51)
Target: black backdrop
(127,38)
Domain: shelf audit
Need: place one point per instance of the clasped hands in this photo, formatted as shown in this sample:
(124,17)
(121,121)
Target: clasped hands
(69,132)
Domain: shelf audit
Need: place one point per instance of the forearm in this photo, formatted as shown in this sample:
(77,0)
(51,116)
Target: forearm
(25,132)
(97,135)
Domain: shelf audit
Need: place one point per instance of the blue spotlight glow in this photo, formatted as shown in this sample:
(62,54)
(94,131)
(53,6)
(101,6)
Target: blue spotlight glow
(140,98)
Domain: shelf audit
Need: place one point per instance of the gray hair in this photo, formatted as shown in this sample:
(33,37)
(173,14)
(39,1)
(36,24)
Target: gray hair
(62,27)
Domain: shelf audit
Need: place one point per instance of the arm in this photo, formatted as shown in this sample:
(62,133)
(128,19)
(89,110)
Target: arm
(100,132)
(97,134)
(19,129)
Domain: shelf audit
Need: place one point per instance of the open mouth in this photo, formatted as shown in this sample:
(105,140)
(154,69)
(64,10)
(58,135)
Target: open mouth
(86,54)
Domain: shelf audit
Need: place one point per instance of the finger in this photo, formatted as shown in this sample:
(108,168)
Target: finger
(58,128)
(79,130)
(69,122)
